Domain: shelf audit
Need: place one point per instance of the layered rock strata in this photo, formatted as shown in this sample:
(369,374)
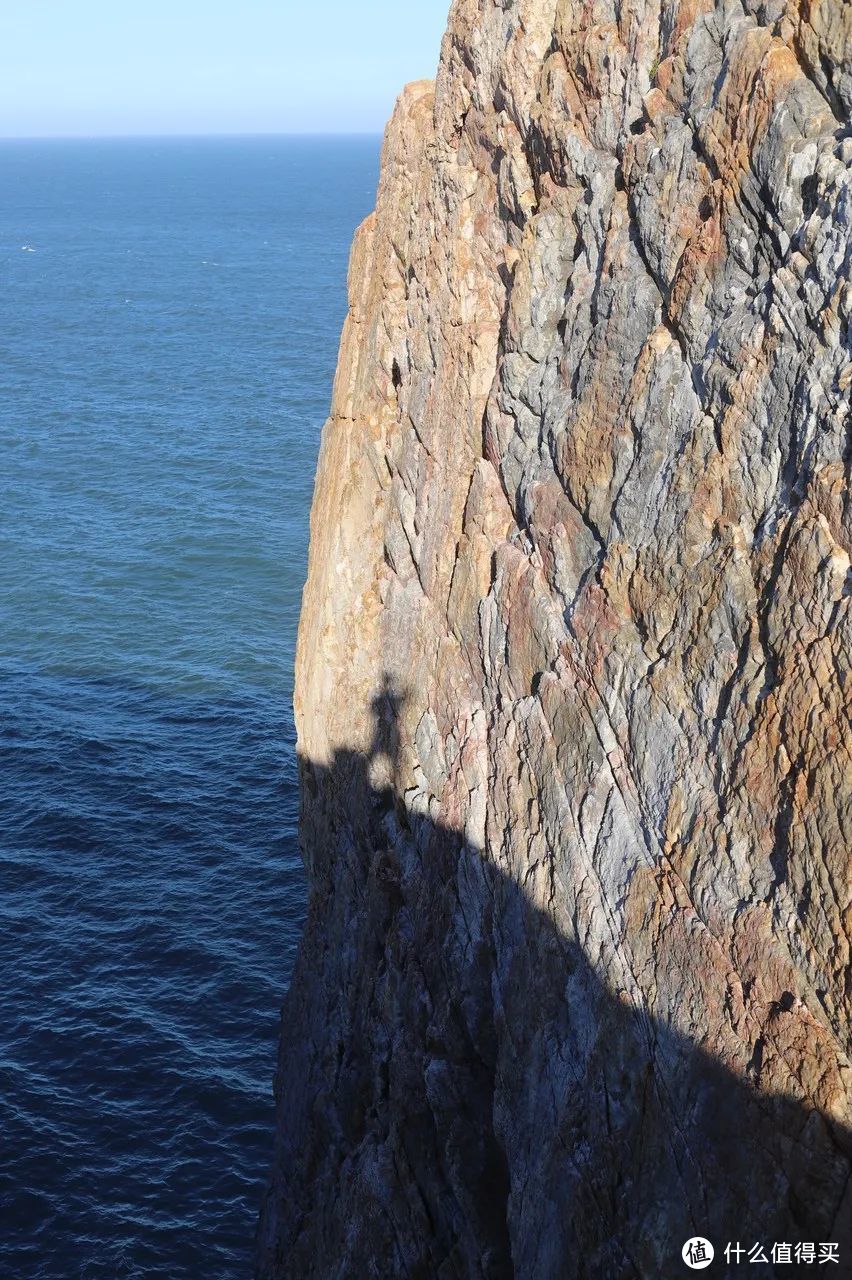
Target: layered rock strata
(575,664)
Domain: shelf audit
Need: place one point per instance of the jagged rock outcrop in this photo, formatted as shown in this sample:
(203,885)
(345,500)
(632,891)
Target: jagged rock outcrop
(575,664)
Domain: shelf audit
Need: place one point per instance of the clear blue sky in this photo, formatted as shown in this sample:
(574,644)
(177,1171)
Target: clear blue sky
(210,66)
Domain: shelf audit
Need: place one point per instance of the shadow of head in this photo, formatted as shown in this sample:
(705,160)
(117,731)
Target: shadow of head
(462,1094)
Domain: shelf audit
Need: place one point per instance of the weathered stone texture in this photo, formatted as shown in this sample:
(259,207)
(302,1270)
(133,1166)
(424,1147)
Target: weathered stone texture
(575,663)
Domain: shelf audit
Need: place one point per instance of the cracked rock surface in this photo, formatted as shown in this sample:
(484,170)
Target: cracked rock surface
(575,663)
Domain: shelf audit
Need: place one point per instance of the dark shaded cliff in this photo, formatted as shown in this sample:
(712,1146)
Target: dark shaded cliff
(573,683)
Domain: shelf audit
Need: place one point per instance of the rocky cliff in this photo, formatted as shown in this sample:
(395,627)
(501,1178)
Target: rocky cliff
(575,664)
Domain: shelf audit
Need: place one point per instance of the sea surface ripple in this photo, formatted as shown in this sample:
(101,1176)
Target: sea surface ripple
(170,316)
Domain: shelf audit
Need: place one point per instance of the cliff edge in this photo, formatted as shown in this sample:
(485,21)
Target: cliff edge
(574,673)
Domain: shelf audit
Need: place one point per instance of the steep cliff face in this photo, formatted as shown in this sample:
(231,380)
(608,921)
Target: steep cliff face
(574,672)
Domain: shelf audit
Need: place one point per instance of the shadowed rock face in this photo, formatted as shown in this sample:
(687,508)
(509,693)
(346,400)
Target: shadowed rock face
(464,1097)
(573,685)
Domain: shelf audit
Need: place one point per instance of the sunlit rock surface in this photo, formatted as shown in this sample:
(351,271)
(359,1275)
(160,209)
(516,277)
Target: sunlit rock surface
(574,675)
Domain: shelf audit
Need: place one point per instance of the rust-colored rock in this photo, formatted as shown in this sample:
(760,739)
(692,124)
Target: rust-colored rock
(575,664)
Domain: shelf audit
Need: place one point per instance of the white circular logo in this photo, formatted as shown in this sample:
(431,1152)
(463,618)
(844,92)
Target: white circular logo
(697,1253)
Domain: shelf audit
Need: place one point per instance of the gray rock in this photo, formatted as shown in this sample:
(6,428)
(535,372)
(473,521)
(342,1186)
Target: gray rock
(575,664)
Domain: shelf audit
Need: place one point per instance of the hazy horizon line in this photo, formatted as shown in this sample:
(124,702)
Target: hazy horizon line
(191,136)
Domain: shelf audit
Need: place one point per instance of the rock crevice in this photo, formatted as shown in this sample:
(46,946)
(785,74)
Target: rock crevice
(573,679)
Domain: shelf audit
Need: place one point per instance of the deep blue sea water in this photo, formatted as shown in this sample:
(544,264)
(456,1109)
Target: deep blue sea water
(167,345)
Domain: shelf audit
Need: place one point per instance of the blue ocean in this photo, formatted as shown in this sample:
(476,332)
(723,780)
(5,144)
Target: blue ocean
(169,319)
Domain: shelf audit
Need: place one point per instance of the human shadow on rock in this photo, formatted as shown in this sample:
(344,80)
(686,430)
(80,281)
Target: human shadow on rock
(460,1094)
